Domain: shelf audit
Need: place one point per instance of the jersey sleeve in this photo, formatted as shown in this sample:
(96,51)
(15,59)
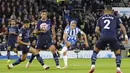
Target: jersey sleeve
(20,33)
(79,31)
(17,30)
(66,30)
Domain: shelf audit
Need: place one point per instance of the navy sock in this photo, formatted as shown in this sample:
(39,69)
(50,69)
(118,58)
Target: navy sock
(94,57)
(17,62)
(8,54)
(40,59)
(118,60)
(55,56)
(31,59)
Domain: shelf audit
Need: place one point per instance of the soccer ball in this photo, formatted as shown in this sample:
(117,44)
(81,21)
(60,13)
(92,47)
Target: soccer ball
(44,27)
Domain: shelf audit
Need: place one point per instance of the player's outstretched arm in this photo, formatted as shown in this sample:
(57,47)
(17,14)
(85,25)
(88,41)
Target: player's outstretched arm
(85,37)
(124,32)
(97,30)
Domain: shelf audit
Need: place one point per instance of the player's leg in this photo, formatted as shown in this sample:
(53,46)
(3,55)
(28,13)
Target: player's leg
(25,50)
(23,58)
(96,50)
(64,52)
(15,49)
(30,60)
(9,47)
(8,53)
(36,53)
(39,45)
(93,59)
(117,51)
(118,60)
(52,48)
(65,58)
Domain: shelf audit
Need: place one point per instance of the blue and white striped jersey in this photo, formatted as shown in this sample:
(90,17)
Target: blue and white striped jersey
(72,33)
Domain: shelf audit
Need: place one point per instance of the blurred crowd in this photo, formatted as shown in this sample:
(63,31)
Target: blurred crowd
(23,9)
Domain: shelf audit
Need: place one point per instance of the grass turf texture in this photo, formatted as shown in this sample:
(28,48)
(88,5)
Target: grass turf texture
(75,66)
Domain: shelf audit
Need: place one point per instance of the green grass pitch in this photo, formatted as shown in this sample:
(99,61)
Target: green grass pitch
(75,66)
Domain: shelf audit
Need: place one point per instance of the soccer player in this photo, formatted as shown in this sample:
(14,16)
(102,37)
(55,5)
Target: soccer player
(23,40)
(12,32)
(107,26)
(70,38)
(43,29)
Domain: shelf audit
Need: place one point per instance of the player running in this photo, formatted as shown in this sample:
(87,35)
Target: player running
(70,38)
(108,24)
(12,32)
(43,29)
(23,40)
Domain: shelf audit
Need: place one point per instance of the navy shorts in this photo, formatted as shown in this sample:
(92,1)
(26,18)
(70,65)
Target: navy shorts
(24,49)
(12,43)
(102,43)
(44,41)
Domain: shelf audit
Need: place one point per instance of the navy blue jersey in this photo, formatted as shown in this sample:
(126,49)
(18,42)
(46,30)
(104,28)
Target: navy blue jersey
(24,34)
(108,26)
(40,22)
(12,30)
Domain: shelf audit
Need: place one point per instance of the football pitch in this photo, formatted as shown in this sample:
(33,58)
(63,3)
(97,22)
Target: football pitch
(75,66)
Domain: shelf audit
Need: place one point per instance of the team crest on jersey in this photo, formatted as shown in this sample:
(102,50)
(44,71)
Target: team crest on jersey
(44,26)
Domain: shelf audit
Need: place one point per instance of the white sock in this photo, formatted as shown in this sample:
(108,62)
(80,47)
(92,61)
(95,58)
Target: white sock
(63,50)
(93,66)
(11,65)
(118,68)
(65,58)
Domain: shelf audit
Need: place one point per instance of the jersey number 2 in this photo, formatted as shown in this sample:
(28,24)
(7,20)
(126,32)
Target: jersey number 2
(107,22)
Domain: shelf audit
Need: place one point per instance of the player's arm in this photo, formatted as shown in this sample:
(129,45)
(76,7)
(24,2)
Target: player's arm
(85,38)
(97,29)
(123,30)
(21,42)
(17,31)
(13,33)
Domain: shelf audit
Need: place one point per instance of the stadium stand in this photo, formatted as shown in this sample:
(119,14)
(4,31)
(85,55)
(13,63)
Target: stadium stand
(85,12)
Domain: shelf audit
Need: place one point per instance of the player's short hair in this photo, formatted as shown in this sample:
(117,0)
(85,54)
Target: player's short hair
(44,11)
(26,22)
(73,22)
(108,7)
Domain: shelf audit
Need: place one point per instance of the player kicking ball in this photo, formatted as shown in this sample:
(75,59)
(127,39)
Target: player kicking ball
(23,40)
(108,24)
(43,29)
(70,38)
